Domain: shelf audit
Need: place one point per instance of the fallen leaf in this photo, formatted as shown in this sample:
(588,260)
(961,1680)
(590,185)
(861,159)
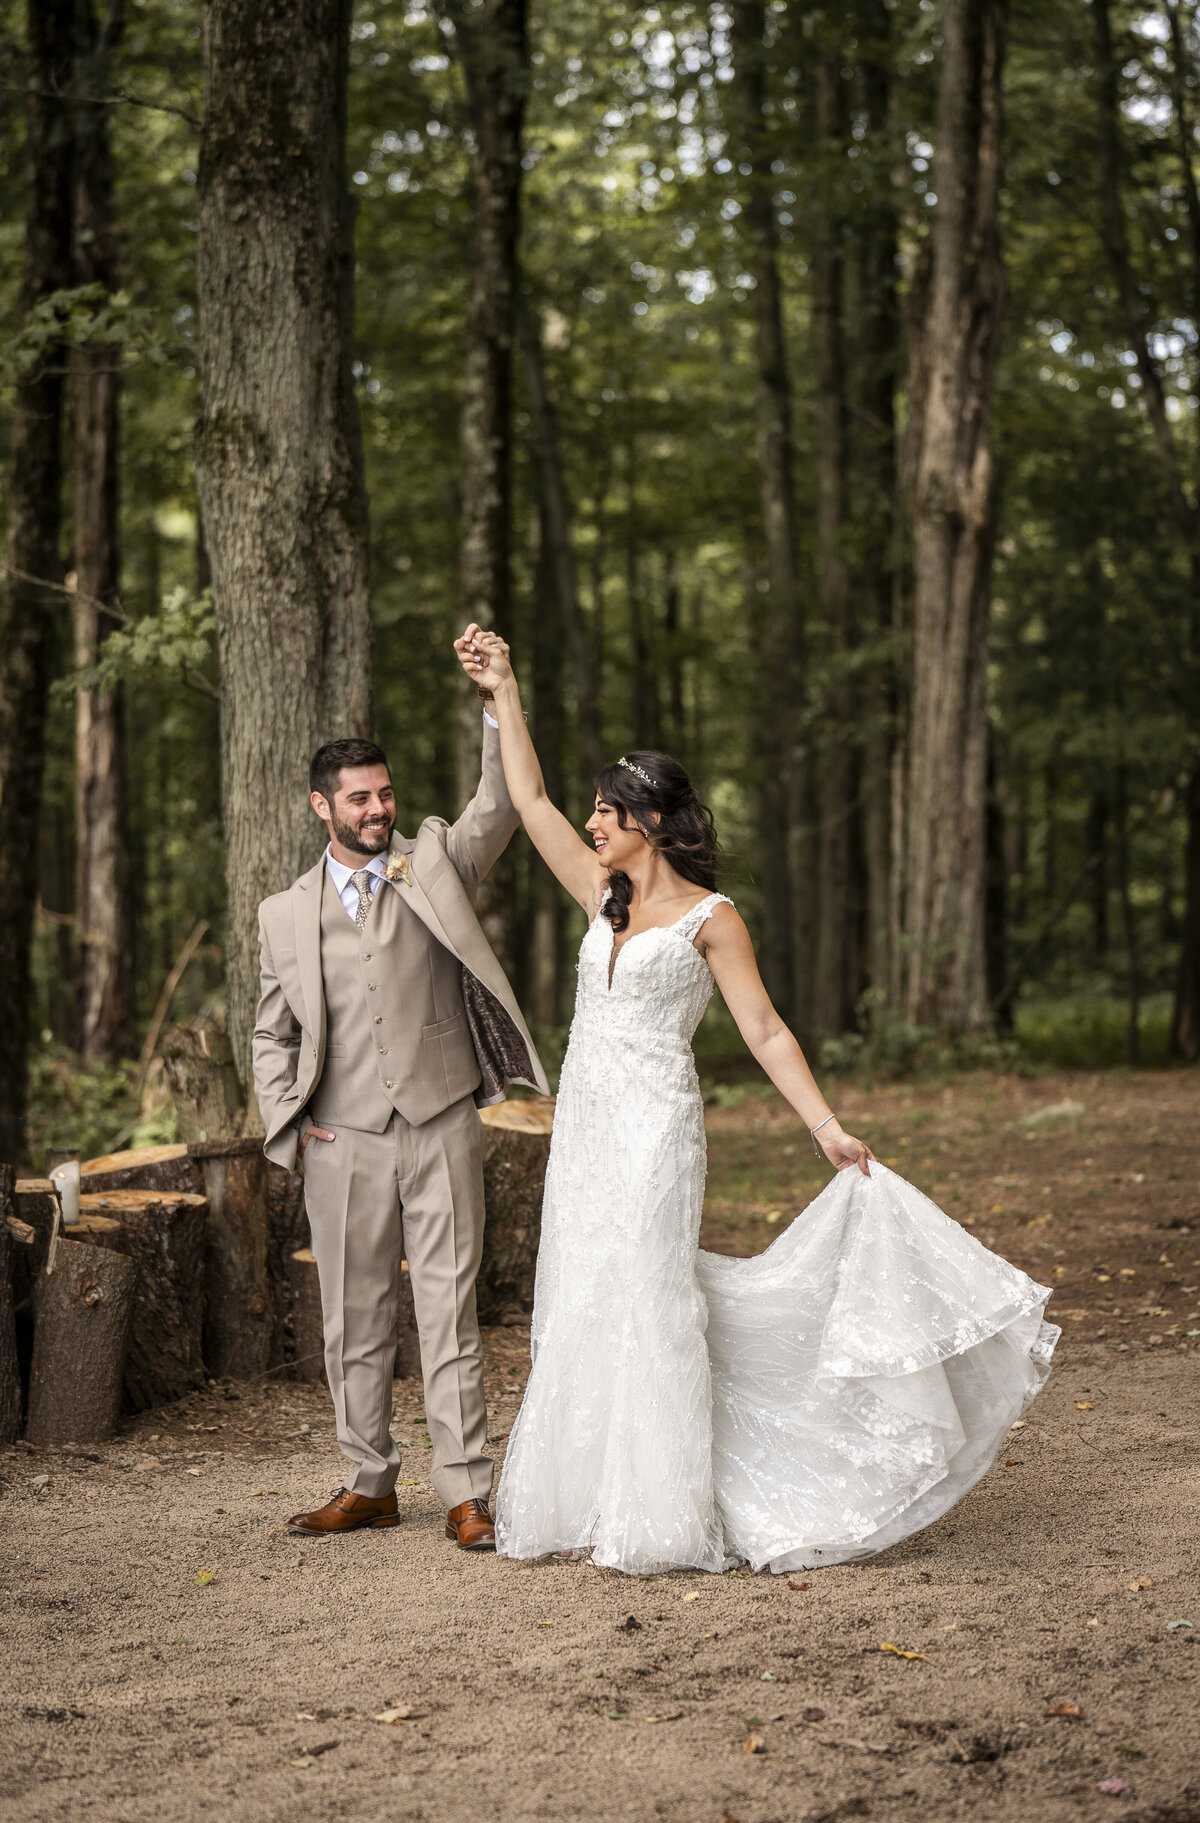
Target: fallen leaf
(1015,1462)
(1173,1626)
(1139,1582)
(1093,1622)
(264,1493)
(813,1715)
(768,1677)
(753,1744)
(672,1716)
(1130,1751)
(193,1471)
(618,1715)
(799,1585)
(400,1712)
(204,1577)
(302,1715)
(693,1595)
(306,1760)
(40,1481)
(899,1651)
(543,1623)
(406,1484)
(1112,1788)
(629,1625)
(1082,1405)
(1072,1711)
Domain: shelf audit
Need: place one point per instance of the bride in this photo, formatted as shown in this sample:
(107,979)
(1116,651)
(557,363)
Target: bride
(809,1406)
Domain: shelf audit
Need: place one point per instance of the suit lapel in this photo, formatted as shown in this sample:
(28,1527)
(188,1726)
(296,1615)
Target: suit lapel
(414,894)
(306,910)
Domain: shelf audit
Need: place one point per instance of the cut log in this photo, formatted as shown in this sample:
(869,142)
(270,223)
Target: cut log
(146,1168)
(38,1205)
(10,1373)
(516,1148)
(165,1233)
(308,1332)
(82,1312)
(408,1343)
(287,1234)
(199,1065)
(239,1317)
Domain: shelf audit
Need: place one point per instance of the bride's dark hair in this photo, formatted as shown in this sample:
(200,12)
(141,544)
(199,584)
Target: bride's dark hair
(653,791)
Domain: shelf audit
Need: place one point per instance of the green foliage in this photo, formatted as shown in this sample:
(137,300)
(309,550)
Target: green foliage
(70,1106)
(889,1045)
(1090,1031)
(175,642)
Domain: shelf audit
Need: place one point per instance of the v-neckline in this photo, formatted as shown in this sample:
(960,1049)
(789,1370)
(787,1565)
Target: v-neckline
(615,949)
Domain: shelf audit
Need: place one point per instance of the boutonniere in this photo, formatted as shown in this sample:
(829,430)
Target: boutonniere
(397,869)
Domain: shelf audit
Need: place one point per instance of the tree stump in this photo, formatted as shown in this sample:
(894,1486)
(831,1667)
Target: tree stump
(147,1168)
(165,1233)
(82,1313)
(200,1069)
(287,1235)
(308,1329)
(239,1319)
(516,1147)
(10,1373)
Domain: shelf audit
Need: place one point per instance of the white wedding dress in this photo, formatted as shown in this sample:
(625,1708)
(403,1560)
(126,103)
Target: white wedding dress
(811,1405)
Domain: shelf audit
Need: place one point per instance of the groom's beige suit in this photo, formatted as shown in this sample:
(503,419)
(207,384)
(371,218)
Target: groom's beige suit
(392,1036)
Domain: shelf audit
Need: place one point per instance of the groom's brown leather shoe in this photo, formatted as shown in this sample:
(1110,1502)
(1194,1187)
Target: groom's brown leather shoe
(470,1526)
(346,1512)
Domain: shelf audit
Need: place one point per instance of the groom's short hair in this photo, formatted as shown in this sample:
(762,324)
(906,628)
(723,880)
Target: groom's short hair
(325,769)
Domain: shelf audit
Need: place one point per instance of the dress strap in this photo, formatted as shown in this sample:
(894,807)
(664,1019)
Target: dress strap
(692,921)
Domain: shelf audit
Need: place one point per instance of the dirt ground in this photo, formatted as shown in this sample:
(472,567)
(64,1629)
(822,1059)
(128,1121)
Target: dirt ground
(171,1653)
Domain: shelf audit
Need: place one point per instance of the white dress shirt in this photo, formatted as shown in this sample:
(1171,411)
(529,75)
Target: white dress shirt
(346,891)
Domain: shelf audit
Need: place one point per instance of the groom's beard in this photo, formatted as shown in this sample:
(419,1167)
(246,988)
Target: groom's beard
(361,841)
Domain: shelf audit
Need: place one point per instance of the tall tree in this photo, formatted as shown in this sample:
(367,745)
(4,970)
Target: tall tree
(104,994)
(958,300)
(832,987)
(491,44)
(784,839)
(278,456)
(28,604)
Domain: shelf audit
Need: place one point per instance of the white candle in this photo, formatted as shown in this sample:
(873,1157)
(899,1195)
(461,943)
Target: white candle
(65,1179)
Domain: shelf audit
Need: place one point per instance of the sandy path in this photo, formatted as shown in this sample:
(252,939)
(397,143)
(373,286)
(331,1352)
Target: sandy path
(133,1691)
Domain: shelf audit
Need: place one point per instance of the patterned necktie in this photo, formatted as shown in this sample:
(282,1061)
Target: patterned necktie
(362,885)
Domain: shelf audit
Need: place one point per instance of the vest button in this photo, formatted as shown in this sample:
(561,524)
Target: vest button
(371,985)
(367,956)
(383,1050)
(378,1021)
(389,1084)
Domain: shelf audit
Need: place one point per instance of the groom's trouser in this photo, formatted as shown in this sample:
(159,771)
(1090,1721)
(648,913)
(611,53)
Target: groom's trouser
(371,1197)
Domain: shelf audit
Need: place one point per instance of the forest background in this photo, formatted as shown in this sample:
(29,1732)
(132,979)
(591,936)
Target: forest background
(811,391)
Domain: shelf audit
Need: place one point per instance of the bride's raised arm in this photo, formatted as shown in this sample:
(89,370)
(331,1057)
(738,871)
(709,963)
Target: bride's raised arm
(484,658)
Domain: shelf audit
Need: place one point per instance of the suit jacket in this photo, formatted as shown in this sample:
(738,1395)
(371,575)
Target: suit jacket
(446,863)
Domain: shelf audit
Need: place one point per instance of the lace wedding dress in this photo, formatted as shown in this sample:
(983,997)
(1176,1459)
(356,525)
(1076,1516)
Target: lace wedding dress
(811,1405)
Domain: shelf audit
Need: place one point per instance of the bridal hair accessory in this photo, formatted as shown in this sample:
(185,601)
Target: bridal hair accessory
(630,767)
(813,1131)
(397,869)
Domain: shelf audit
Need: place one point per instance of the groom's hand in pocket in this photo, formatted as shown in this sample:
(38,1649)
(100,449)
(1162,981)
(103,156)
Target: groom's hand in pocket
(322,1133)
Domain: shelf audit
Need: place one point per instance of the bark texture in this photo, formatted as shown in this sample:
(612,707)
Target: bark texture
(82,1312)
(516,1148)
(786,846)
(239,1308)
(27,609)
(163,1232)
(203,1080)
(104,984)
(10,1373)
(278,454)
(955,337)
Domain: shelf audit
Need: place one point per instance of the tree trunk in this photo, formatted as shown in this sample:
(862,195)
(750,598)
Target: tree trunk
(163,1232)
(784,846)
(10,1373)
(558,553)
(239,1310)
(82,1312)
(104,988)
(278,452)
(959,299)
(1185,1015)
(147,1168)
(200,1069)
(27,609)
(874,252)
(831,993)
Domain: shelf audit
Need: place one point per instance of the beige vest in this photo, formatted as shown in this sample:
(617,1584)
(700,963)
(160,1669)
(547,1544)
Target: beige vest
(385,1051)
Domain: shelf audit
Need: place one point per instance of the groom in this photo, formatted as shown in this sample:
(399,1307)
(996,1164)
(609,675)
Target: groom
(385,1023)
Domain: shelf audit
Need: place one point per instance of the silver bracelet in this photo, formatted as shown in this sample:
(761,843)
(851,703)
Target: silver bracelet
(813,1131)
